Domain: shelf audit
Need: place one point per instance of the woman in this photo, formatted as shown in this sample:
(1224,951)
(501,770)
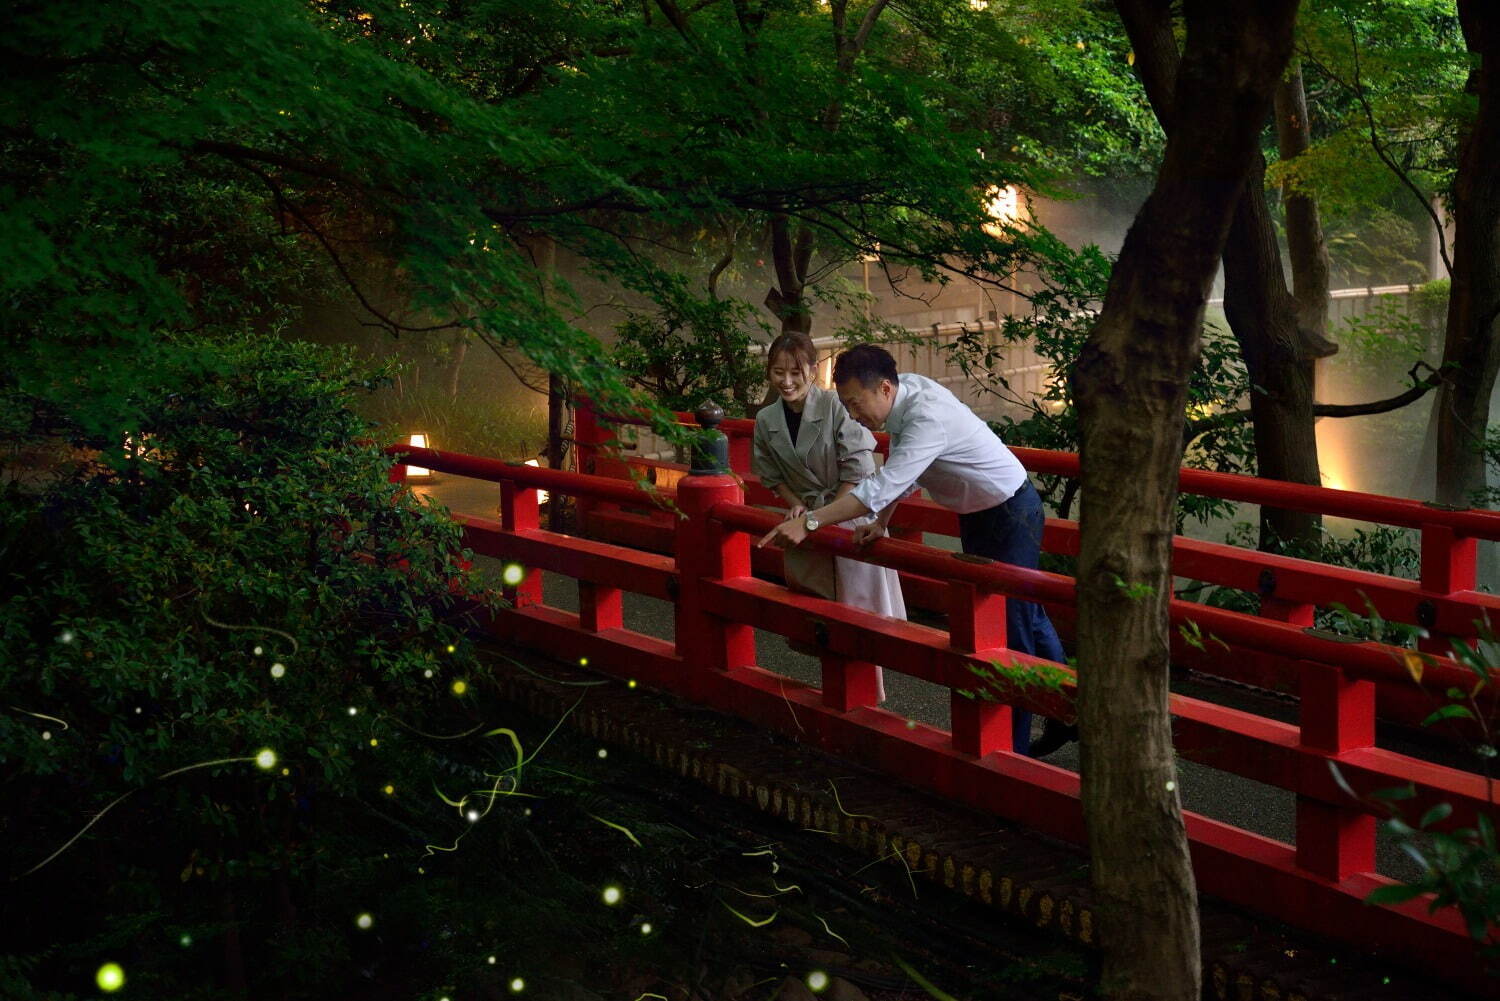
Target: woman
(808,450)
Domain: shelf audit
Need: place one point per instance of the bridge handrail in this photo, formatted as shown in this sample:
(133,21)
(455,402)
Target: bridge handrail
(1354,504)
(1366,659)
(602,488)
(719,604)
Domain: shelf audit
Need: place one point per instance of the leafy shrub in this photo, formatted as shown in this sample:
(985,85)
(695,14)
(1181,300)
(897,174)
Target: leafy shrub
(1459,867)
(1382,549)
(216,647)
(1063,312)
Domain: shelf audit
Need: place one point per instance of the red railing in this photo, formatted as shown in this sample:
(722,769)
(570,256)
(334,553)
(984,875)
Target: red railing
(1443,601)
(1319,883)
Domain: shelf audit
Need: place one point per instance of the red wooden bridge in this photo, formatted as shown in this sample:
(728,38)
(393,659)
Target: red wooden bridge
(688,540)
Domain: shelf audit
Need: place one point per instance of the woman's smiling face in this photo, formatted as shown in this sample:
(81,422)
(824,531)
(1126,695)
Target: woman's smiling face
(791,377)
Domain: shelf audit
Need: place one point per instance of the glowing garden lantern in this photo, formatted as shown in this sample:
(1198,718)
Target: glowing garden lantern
(418,472)
(541,495)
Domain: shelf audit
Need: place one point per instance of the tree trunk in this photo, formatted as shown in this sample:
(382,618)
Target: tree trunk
(1131,384)
(791,257)
(455,366)
(1469,350)
(558,393)
(1264,316)
(1306,248)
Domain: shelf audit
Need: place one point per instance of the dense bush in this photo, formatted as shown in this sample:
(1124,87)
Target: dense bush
(218,643)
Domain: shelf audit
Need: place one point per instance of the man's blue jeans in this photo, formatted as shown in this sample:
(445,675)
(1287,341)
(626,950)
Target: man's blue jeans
(1011,532)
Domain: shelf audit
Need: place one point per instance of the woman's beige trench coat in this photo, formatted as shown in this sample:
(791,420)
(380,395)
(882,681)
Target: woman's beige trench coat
(831,447)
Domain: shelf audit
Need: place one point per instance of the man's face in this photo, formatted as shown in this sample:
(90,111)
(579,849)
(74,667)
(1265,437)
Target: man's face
(869,405)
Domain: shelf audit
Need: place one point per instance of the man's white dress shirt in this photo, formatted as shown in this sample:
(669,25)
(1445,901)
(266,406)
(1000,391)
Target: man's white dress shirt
(938,443)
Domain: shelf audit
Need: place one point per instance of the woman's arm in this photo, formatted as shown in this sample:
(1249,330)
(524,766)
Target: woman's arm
(794,506)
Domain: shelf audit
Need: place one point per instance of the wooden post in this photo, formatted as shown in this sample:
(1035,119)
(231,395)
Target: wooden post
(976,624)
(849,684)
(739,453)
(708,551)
(518,513)
(1449,563)
(1337,715)
(1273,671)
(599,607)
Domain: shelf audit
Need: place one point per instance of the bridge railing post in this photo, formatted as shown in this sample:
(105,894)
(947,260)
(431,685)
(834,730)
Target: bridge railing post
(1274,671)
(849,684)
(518,513)
(707,550)
(599,607)
(976,624)
(739,453)
(1449,563)
(1338,715)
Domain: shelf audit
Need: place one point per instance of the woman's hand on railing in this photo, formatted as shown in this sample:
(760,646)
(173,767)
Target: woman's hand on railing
(795,511)
(869,532)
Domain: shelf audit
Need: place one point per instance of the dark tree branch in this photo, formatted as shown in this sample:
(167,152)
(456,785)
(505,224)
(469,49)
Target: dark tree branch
(1418,389)
(245,155)
(678,20)
(731,233)
(395,327)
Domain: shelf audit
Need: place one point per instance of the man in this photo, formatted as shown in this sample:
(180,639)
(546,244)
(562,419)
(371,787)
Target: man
(937,442)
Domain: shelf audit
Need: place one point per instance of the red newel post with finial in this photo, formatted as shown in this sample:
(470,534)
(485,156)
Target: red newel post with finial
(706,550)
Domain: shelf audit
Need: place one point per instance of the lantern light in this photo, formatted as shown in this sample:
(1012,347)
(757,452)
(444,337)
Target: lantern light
(1004,206)
(541,495)
(418,472)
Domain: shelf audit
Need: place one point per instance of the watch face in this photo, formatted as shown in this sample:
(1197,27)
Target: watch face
(812,523)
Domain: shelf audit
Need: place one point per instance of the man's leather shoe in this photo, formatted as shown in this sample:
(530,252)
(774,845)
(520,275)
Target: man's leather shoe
(1055,733)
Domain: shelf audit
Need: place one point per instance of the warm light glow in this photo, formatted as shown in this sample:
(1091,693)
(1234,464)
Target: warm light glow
(541,495)
(417,472)
(138,446)
(1004,206)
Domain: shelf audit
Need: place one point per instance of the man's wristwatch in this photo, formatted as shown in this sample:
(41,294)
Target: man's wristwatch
(810,523)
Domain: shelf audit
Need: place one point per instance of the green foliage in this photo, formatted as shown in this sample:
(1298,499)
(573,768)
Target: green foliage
(1394,552)
(1489,497)
(1385,78)
(1460,867)
(689,350)
(241,578)
(1063,311)
(1016,677)
(1384,85)
(1392,331)
(473,423)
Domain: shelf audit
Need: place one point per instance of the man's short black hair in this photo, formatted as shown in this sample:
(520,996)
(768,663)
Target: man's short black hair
(867,363)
